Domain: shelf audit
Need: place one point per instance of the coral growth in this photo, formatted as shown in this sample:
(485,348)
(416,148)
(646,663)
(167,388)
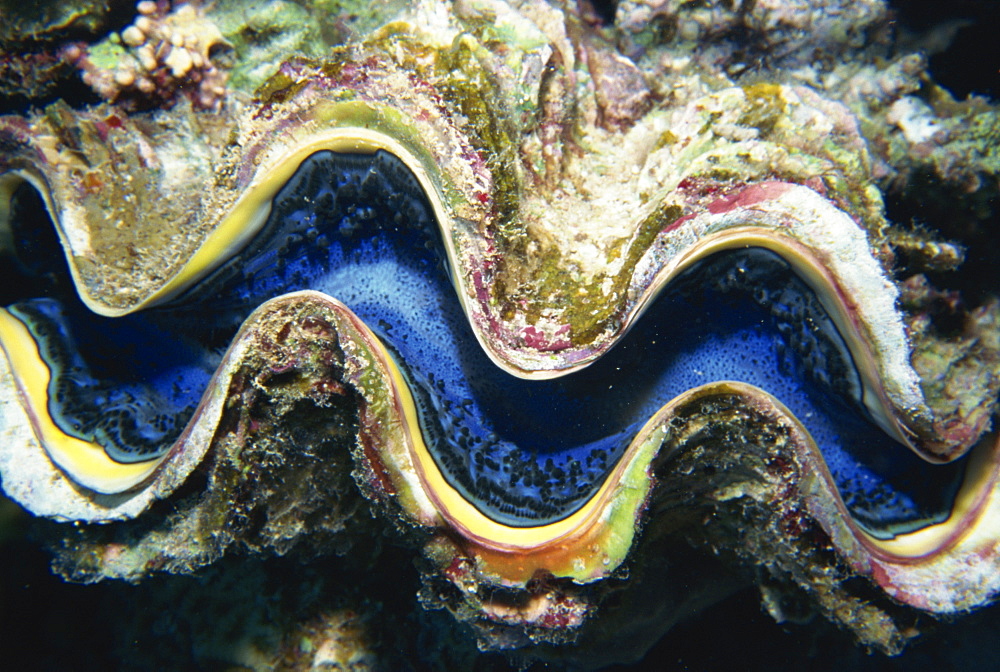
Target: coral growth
(161,57)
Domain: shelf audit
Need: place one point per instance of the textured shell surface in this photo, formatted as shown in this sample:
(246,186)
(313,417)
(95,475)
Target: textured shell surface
(544,297)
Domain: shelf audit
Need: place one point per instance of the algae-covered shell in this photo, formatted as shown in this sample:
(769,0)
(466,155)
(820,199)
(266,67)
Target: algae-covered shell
(433,123)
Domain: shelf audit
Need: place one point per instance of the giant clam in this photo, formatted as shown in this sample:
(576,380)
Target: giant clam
(527,297)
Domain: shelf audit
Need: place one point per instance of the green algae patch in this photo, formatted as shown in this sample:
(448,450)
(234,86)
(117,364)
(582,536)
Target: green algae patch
(766,108)
(590,308)
(629,499)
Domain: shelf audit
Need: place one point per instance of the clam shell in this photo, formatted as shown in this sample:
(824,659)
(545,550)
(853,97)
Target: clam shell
(500,204)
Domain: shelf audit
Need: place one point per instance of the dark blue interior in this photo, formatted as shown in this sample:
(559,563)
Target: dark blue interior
(359,228)
(130,384)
